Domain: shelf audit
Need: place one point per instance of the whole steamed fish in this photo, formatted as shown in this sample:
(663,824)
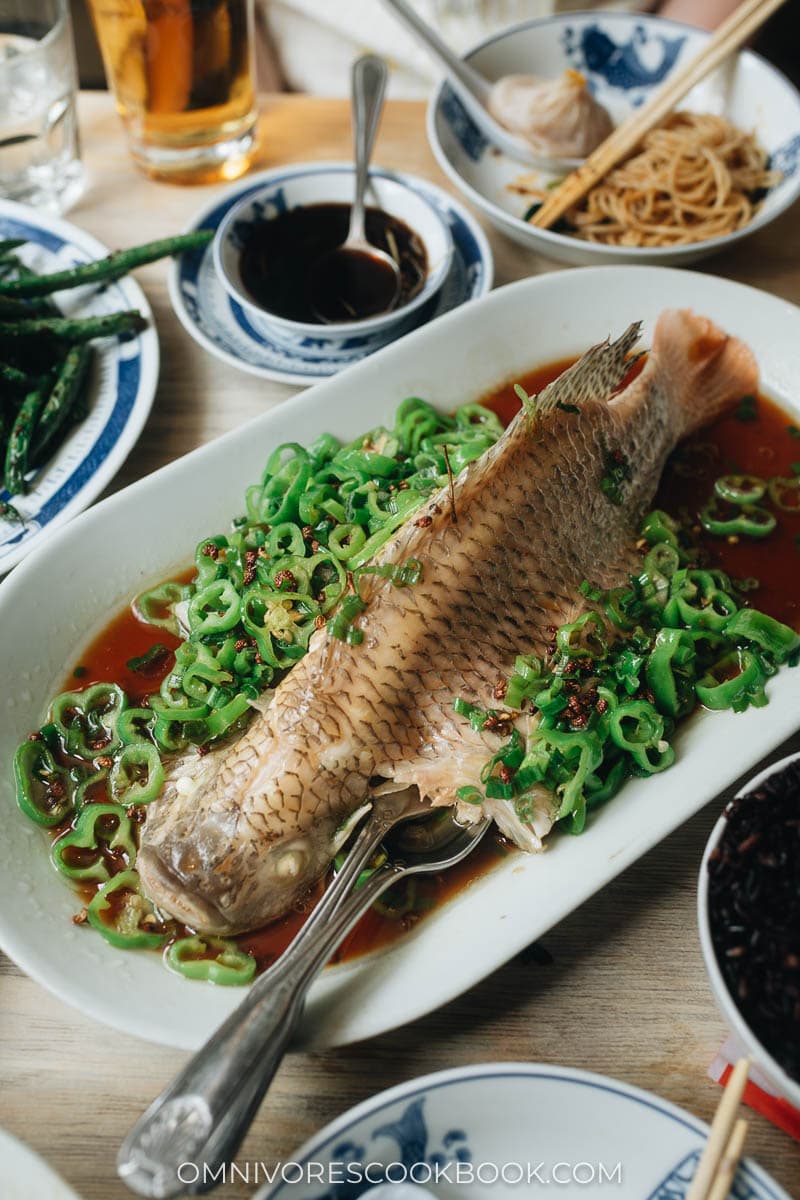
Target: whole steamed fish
(240,833)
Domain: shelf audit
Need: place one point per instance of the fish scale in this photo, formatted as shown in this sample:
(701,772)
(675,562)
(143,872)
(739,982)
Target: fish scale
(240,833)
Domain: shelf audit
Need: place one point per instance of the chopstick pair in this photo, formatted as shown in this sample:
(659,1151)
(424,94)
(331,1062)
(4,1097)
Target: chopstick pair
(716,1170)
(730,35)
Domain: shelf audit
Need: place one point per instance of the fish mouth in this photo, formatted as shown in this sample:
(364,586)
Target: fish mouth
(166,888)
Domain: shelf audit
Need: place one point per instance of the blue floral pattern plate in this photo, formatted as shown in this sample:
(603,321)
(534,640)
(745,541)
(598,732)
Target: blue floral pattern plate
(505,1129)
(121,389)
(625,57)
(223,328)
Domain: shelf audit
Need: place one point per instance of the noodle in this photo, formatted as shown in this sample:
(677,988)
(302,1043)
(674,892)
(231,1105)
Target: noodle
(695,177)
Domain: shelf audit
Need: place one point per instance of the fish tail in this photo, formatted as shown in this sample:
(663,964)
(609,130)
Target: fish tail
(706,369)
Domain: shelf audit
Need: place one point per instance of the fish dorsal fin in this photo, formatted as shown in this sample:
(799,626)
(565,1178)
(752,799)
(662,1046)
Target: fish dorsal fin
(595,376)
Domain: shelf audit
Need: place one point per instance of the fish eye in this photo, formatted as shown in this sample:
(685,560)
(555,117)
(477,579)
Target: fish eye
(291,862)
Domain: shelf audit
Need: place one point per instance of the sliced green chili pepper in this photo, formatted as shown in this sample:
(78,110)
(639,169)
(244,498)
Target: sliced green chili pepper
(663,560)
(719,689)
(175,703)
(172,734)
(135,725)
(616,604)
(637,728)
(84,792)
(659,527)
(606,789)
(566,772)
(215,960)
(87,721)
(44,791)
(123,916)
(669,671)
(750,520)
(628,669)
(785,493)
(137,775)
(777,639)
(157,607)
(583,638)
(215,609)
(79,854)
(286,538)
(696,600)
(276,499)
(740,489)
(222,719)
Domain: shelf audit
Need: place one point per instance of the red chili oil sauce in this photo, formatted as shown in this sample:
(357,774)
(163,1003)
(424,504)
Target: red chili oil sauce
(761,446)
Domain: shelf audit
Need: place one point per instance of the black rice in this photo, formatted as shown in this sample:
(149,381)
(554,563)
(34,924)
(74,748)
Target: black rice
(754,912)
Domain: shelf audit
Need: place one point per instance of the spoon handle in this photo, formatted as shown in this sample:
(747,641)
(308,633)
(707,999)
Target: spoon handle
(466,75)
(199,1121)
(369,84)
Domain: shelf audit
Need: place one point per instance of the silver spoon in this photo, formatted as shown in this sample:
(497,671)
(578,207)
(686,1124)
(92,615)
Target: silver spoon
(474,92)
(203,1115)
(358,280)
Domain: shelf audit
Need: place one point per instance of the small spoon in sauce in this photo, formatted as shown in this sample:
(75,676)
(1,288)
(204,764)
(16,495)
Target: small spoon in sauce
(357,280)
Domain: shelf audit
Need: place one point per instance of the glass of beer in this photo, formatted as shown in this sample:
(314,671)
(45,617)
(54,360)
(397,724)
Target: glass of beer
(182,76)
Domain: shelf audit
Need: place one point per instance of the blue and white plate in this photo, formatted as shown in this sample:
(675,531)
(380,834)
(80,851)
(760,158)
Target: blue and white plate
(625,58)
(508,1129)
(222,327)
(121,389)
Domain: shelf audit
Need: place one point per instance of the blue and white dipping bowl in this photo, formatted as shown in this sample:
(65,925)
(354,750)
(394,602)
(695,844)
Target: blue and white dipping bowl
(335,184)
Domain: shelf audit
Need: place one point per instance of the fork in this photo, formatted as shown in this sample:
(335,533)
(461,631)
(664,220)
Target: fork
(203,1115)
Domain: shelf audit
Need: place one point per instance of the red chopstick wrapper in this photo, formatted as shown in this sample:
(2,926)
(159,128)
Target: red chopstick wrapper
(758,1094)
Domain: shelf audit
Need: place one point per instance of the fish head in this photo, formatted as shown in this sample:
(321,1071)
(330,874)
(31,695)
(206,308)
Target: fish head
(219,878)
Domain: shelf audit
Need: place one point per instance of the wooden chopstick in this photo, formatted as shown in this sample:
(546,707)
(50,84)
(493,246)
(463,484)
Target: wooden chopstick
(723,1181)
(720,1136)
(730,35)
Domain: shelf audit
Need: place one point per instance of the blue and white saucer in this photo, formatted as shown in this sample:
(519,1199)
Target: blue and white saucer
(220,325)
(507,1130)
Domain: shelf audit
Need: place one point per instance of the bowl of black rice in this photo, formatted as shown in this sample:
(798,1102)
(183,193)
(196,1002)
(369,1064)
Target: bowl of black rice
(749,916)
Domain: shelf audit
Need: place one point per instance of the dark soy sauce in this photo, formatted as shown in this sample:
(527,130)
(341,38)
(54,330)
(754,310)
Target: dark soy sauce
(282,269)
(351,284)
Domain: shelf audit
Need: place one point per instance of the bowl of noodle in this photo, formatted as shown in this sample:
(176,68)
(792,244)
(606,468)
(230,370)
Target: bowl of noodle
(722,166)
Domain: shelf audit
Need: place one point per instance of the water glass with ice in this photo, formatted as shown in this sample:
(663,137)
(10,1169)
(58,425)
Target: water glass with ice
(39,149)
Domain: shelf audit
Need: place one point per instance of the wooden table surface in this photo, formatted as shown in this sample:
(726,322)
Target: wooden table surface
(623,990)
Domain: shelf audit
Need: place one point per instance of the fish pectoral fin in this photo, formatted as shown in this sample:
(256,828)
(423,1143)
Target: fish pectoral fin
(528,834)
